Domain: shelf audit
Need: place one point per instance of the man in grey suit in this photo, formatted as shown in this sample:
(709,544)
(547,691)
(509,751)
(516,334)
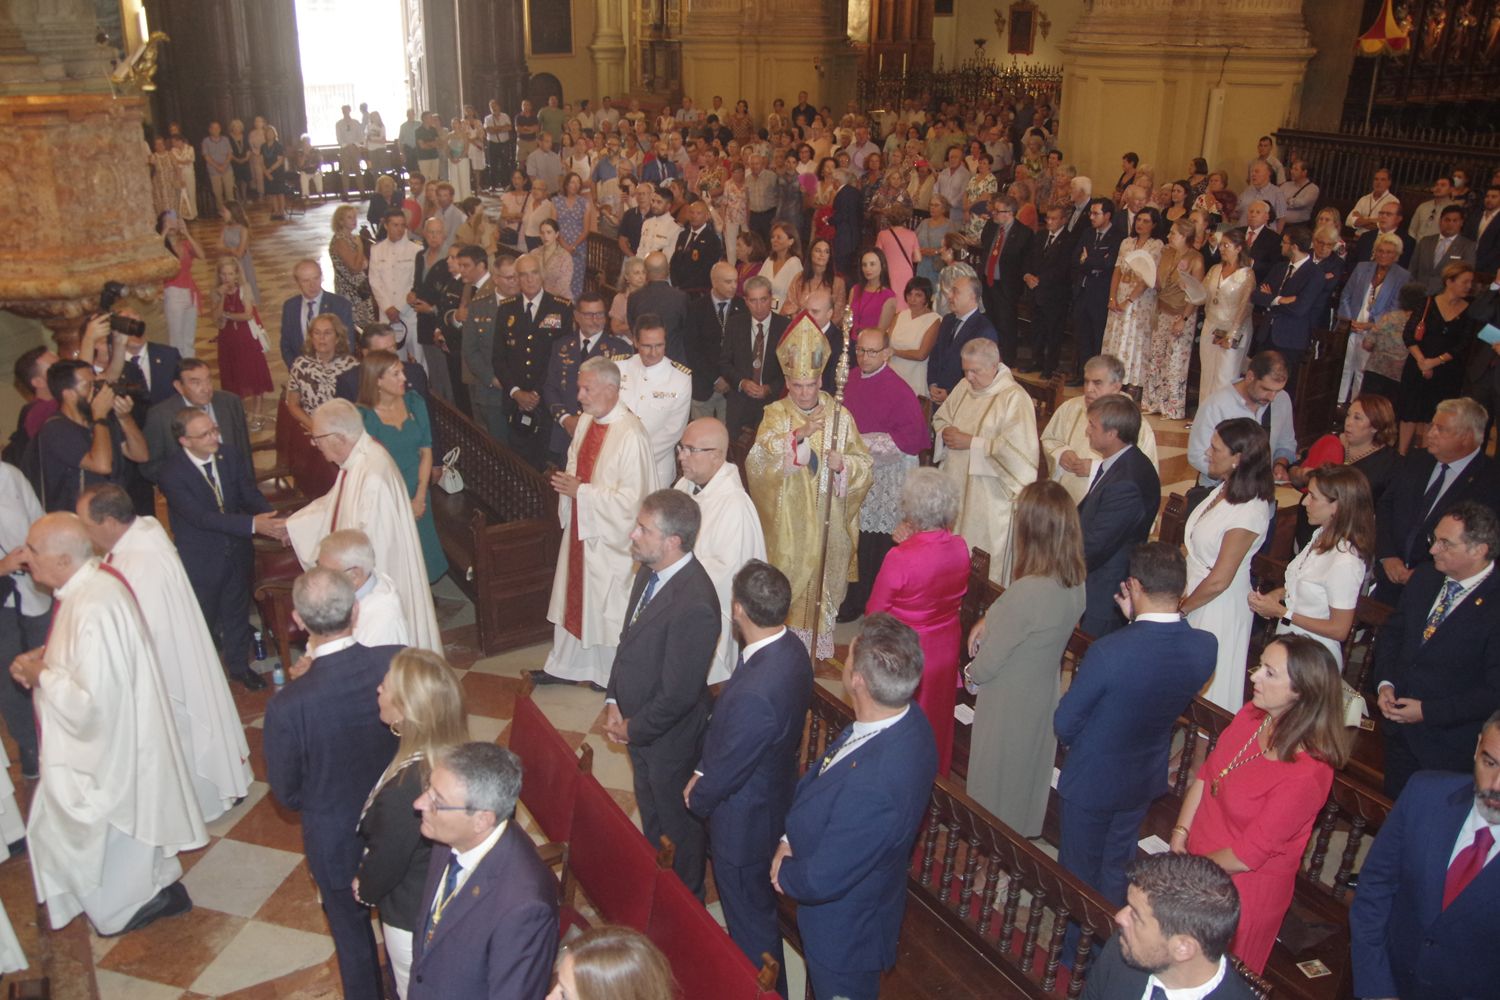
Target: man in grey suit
(1444,247)
(487,395)
(195,388)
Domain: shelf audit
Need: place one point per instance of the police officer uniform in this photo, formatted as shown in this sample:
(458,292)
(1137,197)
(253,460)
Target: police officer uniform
(662,397)
(524,332)
(560,390)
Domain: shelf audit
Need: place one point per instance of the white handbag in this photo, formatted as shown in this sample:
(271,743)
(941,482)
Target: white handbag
(451,480)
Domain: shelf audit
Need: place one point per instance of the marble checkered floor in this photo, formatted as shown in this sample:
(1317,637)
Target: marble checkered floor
(256,931)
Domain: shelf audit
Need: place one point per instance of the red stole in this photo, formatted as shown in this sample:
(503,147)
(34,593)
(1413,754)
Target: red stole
(588,454)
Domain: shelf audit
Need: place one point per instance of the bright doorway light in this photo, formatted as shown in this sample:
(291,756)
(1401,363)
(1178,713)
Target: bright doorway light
(353,52)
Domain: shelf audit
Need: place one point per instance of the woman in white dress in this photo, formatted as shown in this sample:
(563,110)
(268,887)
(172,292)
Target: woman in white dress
(784,264)
(1324,580)
(913,336)
(1222,533)
(1132,301)
(183,155)
(1225,339)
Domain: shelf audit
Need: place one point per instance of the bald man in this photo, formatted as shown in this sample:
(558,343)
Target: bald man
(668,304)
(111,761)
(730,535)
(708,315)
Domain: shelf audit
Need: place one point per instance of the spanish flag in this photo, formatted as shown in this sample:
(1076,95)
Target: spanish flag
(1386,36)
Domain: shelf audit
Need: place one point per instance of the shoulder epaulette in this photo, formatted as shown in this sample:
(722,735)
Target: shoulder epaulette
(618,356)
(682,367)
(559,298)
(509,299)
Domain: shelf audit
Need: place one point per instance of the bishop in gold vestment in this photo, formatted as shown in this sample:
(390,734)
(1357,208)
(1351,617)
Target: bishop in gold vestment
(795,464)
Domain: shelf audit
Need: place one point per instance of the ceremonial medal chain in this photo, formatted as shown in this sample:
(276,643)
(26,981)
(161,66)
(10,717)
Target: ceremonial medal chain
(1213,788)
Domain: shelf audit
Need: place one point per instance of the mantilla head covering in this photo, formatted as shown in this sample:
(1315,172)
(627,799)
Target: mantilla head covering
(803,351)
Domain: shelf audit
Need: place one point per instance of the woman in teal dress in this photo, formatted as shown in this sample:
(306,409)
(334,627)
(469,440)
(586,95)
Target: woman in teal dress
(398,420)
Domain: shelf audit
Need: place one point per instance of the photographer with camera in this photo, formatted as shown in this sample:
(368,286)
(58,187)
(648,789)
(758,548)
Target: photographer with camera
(90,438)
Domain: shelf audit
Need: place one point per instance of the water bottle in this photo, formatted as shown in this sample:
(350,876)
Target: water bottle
(259,642)
(278,676)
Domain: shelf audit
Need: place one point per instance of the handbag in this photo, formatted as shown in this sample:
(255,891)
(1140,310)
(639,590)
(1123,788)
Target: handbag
(1422,323)
(451,480)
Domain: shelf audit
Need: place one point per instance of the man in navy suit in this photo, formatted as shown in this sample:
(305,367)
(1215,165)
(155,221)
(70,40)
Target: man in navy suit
(1174,932)
(1047,268)
(743,784)
(213,520)
(1424,923)
(657,703)
(490,905)
(1119,508)
(325,749)
(945,364)
(310,302)
(847,218)
(379,337)
(1483,227)
(194,387)
(850,830)
(1451,468)
(1289,296)
(151,367)
(1437,659)
(1005,246)
(1097,249)
(1116,719)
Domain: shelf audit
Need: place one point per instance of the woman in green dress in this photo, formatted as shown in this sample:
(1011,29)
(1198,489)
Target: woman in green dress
(398,419)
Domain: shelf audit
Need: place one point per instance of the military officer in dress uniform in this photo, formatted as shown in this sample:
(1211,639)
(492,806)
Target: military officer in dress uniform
(526,326)
(560,391)
(486,391)
(659,391)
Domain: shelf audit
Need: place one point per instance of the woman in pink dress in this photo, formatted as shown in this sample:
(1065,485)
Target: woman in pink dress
(1252,807)
(242,355)
(872,302)
(922,583)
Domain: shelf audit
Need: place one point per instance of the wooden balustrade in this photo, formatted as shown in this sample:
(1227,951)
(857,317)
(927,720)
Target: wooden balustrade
(1342,164)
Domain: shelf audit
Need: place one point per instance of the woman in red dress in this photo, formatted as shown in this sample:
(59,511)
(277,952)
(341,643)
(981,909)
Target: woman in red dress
(922,584)
(1253,804)
(242,355)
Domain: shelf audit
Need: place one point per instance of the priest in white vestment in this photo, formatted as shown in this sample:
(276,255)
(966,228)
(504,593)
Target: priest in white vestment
(381,620)
(115,802)
(208,723)
(730,535)
(610,471)
(986,442)
(370,496)
(1065,441)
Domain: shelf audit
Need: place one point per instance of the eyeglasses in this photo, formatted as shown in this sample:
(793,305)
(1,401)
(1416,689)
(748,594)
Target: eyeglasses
(1446,544)
(868,352)
(437,803)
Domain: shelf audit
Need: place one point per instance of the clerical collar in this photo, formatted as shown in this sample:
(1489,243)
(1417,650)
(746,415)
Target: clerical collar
(332,646)
(872,374)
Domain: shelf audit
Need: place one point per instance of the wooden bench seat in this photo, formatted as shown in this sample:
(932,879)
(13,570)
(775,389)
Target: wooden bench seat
(500,533)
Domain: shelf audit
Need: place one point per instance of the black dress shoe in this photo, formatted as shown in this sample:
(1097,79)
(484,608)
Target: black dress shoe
(251,680)
(595,687)
(170,902)
(542,677)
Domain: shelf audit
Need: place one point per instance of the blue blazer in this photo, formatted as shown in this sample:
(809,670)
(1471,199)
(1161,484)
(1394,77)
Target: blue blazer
(749,762)
(163,362)
(210,541)
(851,832)
(945,364)
(1358,286)
(1402,940)
(1116,718)
(291,323)
(1290,324)
(1116,515)
(498,939)
(325,749)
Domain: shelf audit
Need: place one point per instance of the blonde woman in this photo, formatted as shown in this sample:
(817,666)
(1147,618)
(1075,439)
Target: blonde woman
(242,355)
(632,278)
(350,264)
(422,702)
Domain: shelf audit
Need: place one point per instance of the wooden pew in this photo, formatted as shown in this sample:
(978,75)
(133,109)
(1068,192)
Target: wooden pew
(1046,397)
(500,533)
(603,261)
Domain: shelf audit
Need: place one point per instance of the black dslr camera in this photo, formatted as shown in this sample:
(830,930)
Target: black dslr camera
(112,293)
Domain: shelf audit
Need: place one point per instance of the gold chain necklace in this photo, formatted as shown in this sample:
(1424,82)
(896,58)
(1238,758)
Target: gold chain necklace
(1237,762)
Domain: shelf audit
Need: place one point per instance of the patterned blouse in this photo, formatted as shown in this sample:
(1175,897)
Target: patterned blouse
(315,381)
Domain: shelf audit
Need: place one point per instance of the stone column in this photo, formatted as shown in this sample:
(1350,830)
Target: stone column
(1132,84)
(608,49)
(77,151)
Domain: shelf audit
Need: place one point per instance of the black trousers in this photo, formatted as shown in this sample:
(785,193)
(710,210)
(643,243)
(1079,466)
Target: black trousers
(19,633)
(760,222)
(1048,318)
(223,592)
(873,545)
(1002,314)
(1090,310)
(333,866)
(660,777)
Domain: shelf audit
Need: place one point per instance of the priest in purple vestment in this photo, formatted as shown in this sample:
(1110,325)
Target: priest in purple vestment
(891,421)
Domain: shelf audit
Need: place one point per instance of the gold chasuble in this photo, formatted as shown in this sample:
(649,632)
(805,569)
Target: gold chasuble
(788,482)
